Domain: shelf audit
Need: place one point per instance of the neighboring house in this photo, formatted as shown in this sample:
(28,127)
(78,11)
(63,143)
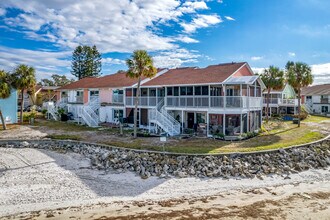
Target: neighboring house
(103,96)
(282,101)
(316,99)
(41,94)
(224,99)
(9,108)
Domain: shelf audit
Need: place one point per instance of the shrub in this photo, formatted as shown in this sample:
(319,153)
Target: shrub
(219,136)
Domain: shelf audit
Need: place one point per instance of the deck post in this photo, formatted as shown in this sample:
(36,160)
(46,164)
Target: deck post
(182,122)
(207,124)
(224,124)
(241,125)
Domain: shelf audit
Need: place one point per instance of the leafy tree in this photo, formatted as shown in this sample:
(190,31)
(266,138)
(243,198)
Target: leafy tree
(273,78)
(139,65)
(298,75)
(56,80)
(86,61)
(5,87)
(23,79)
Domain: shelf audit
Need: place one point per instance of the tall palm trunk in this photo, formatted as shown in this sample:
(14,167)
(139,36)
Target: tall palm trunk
(267,107)
(136,106)
(299,108)
(22,105)
(3,121)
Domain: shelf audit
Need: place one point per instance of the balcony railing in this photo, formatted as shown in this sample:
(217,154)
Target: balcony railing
(271,100)
(77,99)
(143,101)
(214,102)
(280,101)
(118,98)
(324,101)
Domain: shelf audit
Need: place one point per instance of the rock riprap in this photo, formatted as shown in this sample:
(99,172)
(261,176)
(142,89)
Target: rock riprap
(146,164)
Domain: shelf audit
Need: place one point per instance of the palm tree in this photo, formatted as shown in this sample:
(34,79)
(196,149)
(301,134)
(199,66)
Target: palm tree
(273,78)
(5,88)
(23,79)
(299,75)
(139,65)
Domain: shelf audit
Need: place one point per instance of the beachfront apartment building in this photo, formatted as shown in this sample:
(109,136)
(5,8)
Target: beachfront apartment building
(224,99)
(281,102)
(316,99)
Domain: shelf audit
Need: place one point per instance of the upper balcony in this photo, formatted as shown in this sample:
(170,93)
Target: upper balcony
(281,102)
(199,102)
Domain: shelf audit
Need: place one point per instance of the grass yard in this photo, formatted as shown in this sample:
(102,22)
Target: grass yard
(276,134)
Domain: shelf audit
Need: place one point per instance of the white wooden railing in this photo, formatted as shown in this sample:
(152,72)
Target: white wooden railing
(164,120)
(146,101)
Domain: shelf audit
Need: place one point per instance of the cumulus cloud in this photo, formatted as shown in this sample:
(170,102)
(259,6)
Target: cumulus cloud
(186,39)
(255,58)
(175,58)
(2,11)
(112,61)
(292,54)
(229,18)
(121,26)
(49,62)
(321,73)
(201,21)
(258,70)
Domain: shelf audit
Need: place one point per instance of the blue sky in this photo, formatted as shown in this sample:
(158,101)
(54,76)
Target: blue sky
(43,33)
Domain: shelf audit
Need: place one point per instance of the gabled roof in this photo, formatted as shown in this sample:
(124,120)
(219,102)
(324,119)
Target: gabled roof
(193,75)
(323,89)
(116,80)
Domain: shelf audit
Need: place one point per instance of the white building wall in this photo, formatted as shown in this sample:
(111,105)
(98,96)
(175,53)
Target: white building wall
(316,98)
(106,114)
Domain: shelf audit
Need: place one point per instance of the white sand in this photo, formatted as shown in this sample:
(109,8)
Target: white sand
(32,179)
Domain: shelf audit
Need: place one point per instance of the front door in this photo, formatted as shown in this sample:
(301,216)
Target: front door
(191,120)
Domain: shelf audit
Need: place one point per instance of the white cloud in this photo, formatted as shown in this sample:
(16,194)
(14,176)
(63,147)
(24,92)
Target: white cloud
(175,58)
(258,70)
(321,73)
(112,61)
(255,58)
(229,18)
(121,26)
(45,62)
(292,54)
(2,11)
(186,39)
(201,21)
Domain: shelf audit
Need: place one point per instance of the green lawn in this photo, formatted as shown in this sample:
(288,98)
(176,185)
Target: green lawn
(317,119)
(278,134)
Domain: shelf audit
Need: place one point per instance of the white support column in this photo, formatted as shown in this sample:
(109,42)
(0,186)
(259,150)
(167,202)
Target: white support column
(248,122)
(224,97)
(241,125)
(148,96)
(224,124)
(165,96)
(207,124)
(209,96)
(182,121)
(255,89)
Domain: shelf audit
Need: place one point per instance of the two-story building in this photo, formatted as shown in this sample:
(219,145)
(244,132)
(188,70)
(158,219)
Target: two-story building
(281,102)
(316,99)
(224,99)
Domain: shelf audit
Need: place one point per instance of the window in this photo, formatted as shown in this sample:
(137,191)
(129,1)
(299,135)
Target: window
(325,109)
(79,93)
(190,90)
(169,91)
(183,91)
(118,114)
(308,97)
(152,92)
(205,90)
(198,90)
(144,92)
(64,94)
(176,91)
(94,93)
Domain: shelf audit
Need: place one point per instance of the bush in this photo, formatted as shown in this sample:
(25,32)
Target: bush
(44,111)
(303,115)
(219,136)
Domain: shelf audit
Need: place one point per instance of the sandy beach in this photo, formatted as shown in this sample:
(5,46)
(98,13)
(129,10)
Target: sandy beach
(36,184)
